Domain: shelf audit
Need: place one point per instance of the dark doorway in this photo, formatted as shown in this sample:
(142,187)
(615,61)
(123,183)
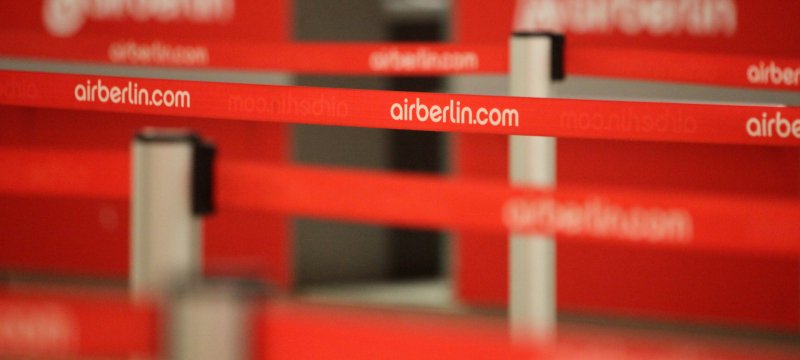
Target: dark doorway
(416,253)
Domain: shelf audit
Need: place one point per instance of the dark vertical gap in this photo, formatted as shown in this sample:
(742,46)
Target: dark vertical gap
(415,254)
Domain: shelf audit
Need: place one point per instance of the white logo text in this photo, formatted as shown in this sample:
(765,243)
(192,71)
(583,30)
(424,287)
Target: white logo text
(698,18)
(64,18)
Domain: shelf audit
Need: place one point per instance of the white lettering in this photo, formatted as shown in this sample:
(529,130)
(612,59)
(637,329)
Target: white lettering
(396,111)
(773,126)
(157,53)
(422,60)
(80,92)
(753,127)
(596,217)
(774,74)
(65,18)
(131,94)
(36,328)
(453,113)
(659,18)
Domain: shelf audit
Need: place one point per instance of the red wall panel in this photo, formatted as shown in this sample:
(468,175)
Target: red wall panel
(632,281)
(89,237)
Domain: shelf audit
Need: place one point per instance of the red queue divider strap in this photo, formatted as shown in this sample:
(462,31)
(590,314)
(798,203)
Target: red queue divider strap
(573,214)
(65,173)
(592,119)
(48,323)
(752,71)
(61,324)
(330,332)
(347,58)
(713,223)
(353,334)
(736,70)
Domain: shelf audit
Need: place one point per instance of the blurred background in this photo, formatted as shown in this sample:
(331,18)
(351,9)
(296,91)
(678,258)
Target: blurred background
(84,240)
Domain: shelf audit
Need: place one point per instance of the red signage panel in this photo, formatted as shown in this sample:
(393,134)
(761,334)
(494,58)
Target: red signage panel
(621,38)
(257,20)
(70,30)
(50,324)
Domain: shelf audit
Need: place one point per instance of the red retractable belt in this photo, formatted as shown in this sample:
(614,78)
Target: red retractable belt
(352,334)
(674,220)
(65,325)
(695,221)
(56,323)
(754,71)
(643,121)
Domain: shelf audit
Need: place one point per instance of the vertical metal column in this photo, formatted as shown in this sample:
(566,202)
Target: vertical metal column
(171,190)
(535,62)
(210,321)
(172,178)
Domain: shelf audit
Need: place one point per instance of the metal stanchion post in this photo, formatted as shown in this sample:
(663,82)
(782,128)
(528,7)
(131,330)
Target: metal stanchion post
(536,60)
(210,321)
(171,190)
